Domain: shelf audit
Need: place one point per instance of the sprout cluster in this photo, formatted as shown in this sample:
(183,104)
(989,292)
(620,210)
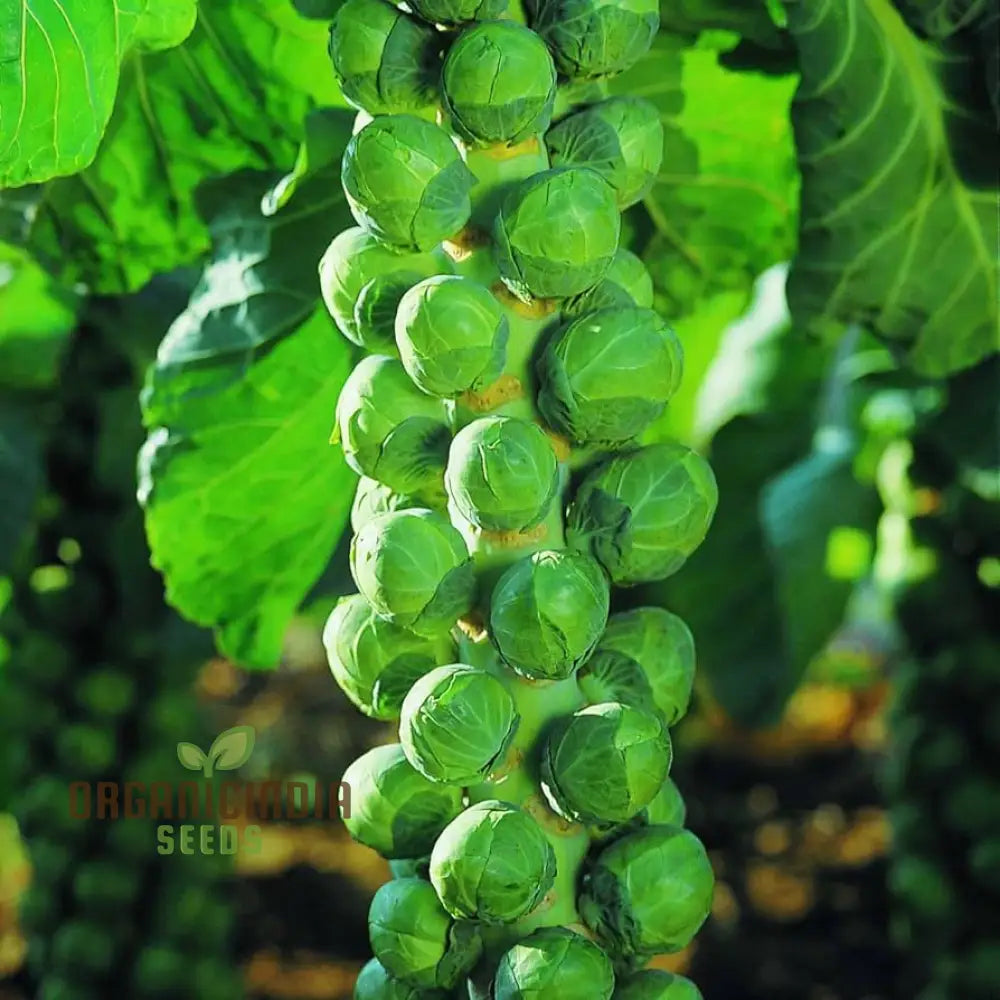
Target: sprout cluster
(501,424)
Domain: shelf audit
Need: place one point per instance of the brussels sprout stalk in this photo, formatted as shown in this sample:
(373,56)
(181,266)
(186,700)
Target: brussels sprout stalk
(506,582)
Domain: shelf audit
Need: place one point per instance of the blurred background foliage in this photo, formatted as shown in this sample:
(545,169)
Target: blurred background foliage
(823,236)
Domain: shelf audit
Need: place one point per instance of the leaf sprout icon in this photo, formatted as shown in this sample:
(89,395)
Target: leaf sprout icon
(230,750)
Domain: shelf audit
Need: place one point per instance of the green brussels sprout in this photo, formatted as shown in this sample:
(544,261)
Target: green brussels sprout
(502,473)
(372,498)
(389,429)
(596,38)
(621,138)
(649,892)
(604,295)
(667,807)
(375,662)
(607,375)
(626,283)
(107,693)
(386,62)
(83,947)
(451,334)
(414,569)
(106,886)
(457,724)
(655,984)
(556,233)
(547,611)
(554,962)
(85,750)
(628,272)
(451,12)
(415,939)
(499,83)
(406,182)
(362,282)
(394,809)
(605,763)
(644,512)
(492,863)
(375,983)
(645,658)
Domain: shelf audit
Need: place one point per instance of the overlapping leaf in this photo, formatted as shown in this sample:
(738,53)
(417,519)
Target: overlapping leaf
(244,498)
(232,97)
(723,206)
(59,72)
(36,317)
(899,229)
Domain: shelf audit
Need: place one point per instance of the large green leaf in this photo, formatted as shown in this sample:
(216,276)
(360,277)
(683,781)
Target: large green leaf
(819,522)
(244,498)
(944,18)
(897,145)
(232,97)
(36,317)
(59,67)
(752,21)
(724,204)
(20,478)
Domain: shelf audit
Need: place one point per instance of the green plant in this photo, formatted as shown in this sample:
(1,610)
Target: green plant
(211,136)
(521,806)
(97,688)
(941,483)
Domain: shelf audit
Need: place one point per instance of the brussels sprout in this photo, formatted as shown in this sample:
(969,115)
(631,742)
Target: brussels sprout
(604,295)
(607,375)
(621,138)
(414,569)
(644,658)
(375,662)
(499,83)
(667,807)
(457,723)
(628,272)
(415,939)
(643,513)
(449,12)
(556,233)
(502,473)
(83,947)
(372,498)
(605,763)
(362,281)
(375,983)
(626,283)
(451,334)
(552,963)
(106,692)
(395,810)
(547,611)
(105,886)
(655,984)
(386,62)
(596,38)
(492,863)
(406,182)
(649,892)
(391,431)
